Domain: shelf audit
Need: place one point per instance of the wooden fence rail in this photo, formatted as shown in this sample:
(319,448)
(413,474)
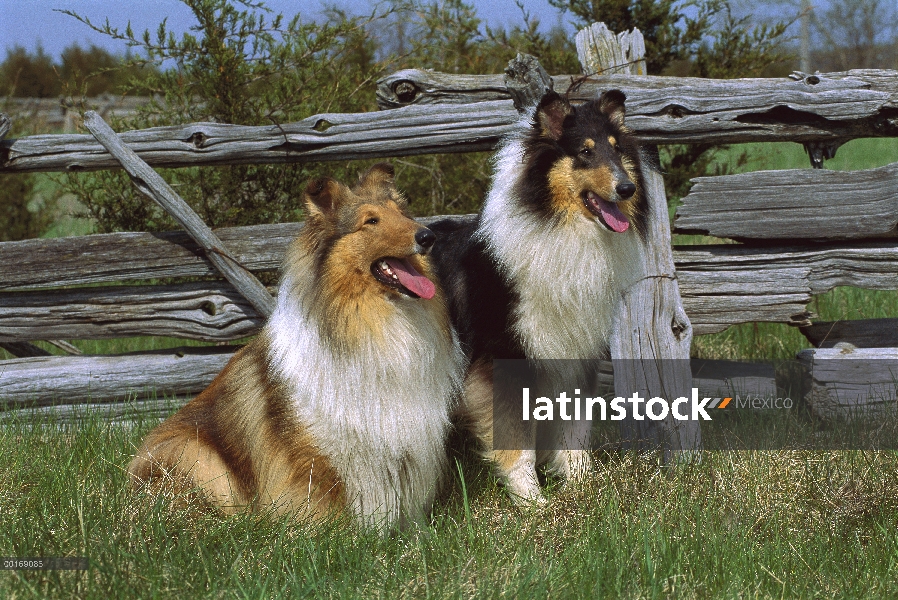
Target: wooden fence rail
(664,110)
(661,110)
(770,278)
(65,112)
(721,285)
(822,205)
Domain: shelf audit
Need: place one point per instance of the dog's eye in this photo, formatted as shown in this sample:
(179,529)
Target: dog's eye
(372,221)
(586,151)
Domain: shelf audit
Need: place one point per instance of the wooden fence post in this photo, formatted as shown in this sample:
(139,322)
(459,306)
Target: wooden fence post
(652,335)
(601,52)
(152,185)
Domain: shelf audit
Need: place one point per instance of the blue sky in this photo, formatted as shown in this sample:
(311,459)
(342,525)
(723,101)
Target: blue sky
(29,22)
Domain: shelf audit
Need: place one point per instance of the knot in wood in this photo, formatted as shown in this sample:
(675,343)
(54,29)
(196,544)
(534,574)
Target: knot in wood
(812,80)
(197,139)
(405,90)
(675,111)
(679,328)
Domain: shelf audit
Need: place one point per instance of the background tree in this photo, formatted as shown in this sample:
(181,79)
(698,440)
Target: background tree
(856,34)
(841,34)
(240,64)
(28,75)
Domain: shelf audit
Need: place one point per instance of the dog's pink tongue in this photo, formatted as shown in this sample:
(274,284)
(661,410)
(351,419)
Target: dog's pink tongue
(411,279)
(613,216)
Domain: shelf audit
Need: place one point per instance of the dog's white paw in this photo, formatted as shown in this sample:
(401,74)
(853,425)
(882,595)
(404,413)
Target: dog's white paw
(521,480)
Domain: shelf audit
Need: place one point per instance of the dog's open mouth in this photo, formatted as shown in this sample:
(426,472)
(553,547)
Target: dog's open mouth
(400,274)
(608,213)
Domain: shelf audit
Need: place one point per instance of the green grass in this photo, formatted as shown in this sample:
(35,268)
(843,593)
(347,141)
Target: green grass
(854,155)
(748,524)
(740,524)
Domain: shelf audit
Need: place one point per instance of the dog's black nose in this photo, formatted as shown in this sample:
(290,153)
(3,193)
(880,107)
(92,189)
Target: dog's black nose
(425,238)
(625,189)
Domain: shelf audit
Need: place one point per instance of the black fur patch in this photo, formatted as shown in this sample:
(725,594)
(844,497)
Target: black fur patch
(481,300)
(546,145)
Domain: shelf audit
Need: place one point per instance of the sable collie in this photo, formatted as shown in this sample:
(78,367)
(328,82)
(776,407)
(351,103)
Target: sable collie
(342,402)
(539,273)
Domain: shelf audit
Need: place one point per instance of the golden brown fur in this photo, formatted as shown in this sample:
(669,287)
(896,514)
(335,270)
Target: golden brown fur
(342,401)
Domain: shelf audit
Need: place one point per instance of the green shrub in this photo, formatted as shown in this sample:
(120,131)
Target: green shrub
(22,215)
(25,211)
(239,65)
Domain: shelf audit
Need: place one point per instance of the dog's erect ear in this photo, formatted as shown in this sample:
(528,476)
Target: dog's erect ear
(550,115)
(378,175)
(377,184)
(323,196)
(611,103)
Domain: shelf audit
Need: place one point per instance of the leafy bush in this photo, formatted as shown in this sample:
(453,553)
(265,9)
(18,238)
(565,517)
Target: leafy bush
(23,212)
(239,65)
(22,216)
(29,75)
(242,64)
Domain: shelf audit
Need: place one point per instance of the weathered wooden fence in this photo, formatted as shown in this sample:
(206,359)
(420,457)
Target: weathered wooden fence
(803,232)
(65,112)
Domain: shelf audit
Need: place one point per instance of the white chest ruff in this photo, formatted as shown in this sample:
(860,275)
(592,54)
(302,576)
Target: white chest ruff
(380,413)
(568,276)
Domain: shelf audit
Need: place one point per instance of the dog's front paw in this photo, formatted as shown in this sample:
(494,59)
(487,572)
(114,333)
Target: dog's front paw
(518,472)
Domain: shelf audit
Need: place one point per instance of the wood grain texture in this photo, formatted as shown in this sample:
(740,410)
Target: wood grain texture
(118,257)
(526,81)
(725,284)
(152,185)
(661,110)
(721,285)
(325,137)
(211,311)
(862,333)
(652,338)
(721,378)
(124,412)
(665,110)
(623,53)
(76,379)
(651,334)
(849,382)
(793,204)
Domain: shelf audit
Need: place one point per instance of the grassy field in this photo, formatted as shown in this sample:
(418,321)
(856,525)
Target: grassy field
(737,525)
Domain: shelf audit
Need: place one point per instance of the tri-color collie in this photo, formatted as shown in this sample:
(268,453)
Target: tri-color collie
(540,272)
(343,401)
